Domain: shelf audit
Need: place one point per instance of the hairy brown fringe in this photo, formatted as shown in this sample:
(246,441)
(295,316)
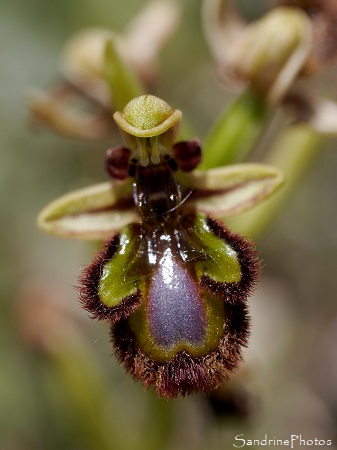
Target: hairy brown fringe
(184,374)
(248,260)
(88,288)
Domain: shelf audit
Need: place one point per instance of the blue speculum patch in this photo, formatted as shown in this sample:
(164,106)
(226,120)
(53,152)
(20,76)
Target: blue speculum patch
(175,308)
(177,311)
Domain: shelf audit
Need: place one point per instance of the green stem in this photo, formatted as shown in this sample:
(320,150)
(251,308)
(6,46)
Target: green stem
(236,131)
(293,153)
(86,391)
(162,415)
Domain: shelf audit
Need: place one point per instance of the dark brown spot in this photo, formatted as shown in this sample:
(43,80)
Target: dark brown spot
(233,400)
(187,154)
(117,162)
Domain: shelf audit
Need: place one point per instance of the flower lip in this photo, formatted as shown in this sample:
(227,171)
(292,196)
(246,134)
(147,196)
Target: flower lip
(156,349)
(147,116)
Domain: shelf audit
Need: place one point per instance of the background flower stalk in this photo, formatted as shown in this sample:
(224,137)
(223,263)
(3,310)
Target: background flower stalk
(268,69)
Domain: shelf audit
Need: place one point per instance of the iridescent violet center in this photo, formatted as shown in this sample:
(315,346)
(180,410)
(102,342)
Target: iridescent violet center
(176,310)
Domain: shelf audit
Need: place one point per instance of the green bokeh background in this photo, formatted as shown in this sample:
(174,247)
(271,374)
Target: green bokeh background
(75,396)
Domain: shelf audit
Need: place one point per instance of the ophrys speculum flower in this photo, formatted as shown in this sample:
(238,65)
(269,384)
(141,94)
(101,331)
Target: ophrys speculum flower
(173,281)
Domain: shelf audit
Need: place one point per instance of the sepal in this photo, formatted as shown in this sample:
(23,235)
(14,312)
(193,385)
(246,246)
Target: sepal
(96,212)
(318,113)
(230,190)
(56,112)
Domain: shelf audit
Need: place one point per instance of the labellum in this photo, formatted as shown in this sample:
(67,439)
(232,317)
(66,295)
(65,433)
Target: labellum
(174,283)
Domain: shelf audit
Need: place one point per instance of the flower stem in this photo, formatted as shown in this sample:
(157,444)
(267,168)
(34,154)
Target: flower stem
(293,153)
(236,131)
(86,388)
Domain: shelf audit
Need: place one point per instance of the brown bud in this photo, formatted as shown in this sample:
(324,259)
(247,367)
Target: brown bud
(187,154)
(117,162)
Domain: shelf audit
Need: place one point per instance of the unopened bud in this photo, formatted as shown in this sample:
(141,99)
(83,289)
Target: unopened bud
(272,51)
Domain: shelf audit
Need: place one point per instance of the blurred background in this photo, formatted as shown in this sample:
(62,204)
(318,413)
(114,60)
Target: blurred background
(60,388)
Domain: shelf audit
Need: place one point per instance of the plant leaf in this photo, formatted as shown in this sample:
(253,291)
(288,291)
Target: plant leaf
(96,212)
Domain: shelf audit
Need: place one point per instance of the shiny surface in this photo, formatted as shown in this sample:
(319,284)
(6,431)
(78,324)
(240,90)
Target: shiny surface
(164,257)
(176,309)
(177,313)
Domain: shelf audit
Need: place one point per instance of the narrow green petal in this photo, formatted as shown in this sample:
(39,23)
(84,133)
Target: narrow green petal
(95,212)
(226,191)
(123,82)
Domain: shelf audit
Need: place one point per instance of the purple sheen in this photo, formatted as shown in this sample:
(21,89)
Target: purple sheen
(176,310)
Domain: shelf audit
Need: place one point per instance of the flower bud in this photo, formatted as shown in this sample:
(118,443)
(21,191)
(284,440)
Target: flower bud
(271,52)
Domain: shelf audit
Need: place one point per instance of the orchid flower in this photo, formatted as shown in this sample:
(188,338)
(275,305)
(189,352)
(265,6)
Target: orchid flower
(171,280)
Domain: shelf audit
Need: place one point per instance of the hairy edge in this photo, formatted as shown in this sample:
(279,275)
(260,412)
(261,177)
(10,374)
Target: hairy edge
(249,264)
(184,374)
(88,288)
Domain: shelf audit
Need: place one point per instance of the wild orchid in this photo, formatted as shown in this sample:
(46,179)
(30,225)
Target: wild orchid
(172,280)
